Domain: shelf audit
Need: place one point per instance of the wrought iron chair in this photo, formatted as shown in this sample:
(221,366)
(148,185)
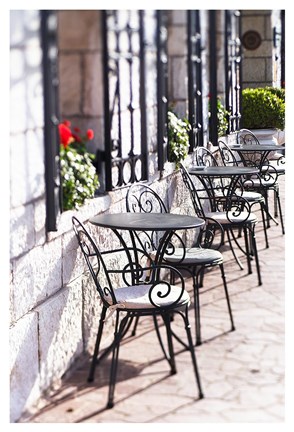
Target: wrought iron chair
(204,157)
(154,297)
(233,214)
(269,174)
(229,159)
(204,253)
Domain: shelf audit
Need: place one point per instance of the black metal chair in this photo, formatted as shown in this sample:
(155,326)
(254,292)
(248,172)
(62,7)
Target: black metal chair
(204,157)
(203,254)
(269,174)
(254,198)
(233,214)
(154,297)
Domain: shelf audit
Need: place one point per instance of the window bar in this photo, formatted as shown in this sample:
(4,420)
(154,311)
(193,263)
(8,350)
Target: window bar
(195,79)
(162,99)
(232,68)
(144,147)
(51,118)
(107,112)
(283,48)
(213,136)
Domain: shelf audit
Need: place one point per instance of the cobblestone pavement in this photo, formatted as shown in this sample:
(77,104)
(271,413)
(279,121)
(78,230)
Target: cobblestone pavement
(242,371)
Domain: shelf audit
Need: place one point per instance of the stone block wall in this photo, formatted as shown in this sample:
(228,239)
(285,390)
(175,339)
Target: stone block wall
(54,309)
(81,71)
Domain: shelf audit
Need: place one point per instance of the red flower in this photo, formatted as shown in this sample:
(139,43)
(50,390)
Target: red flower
(67,123)
(76,129)
(77,138)
(90,134)
(65,135)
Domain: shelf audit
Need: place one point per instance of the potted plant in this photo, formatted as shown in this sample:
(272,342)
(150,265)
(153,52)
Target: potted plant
(263,112)
(178,138)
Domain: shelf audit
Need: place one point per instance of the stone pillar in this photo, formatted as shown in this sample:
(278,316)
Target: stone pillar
(177,52)
(257,41)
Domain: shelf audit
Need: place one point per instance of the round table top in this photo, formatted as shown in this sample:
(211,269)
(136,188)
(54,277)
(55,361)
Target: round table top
(255,147)
(146,221)
(223,171)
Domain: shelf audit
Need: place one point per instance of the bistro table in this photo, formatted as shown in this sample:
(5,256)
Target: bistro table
(167,223)
(256,154)
(207,176)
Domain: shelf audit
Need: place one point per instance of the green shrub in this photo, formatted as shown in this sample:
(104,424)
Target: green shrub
(280,92)
(178,138)
(263,108)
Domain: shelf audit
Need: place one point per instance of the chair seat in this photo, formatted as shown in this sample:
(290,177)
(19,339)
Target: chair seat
(231,218)
(194,255)
(137,296)
(251,196)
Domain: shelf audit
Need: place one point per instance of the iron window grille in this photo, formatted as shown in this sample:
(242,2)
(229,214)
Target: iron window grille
(126,156)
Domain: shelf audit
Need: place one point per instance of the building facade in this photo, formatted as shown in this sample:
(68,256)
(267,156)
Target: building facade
(117,72)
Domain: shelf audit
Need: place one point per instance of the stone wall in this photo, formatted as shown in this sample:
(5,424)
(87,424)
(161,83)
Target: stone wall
(54,310)
(81,71)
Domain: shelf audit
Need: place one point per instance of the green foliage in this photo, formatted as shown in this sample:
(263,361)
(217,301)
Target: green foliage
(280,92)
(79,178)
(222,118)
(263,108)
(222,121)
(178,138)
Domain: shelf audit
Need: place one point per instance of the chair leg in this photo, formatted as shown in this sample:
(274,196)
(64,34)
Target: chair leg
(280,211)
(192,351)
(97,345)
(135,326)
(248,250)
(167,319)
(118,335)
(255,252)
(197,306)
(263,212)
(227,296)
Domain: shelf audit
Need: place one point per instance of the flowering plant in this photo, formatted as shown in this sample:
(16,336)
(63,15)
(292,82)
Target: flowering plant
(79,178)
